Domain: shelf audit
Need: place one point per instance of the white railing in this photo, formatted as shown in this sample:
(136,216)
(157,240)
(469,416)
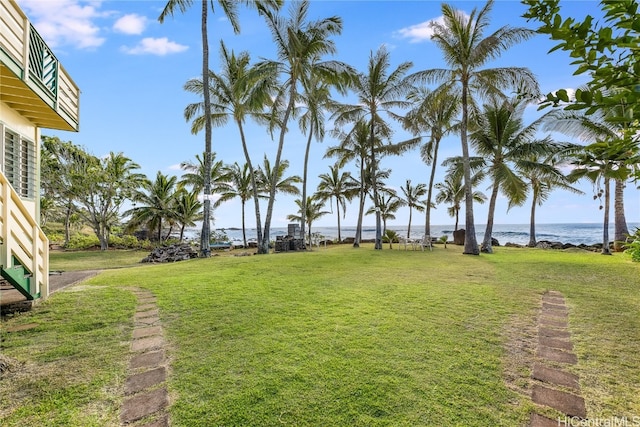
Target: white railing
(31,59)
(23,239)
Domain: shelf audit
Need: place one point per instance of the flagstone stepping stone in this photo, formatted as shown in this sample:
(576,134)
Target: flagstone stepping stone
(146,379)
(567,403)
(555,343)
(147,360)
(143,404)
(556,355)
(538,420)
(555,376)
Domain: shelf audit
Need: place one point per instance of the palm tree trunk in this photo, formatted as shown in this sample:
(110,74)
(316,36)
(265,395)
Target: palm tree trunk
(621,231)
(205,249)
(486,242)
(304,184)
(432,177)
(470,241)
(244,229)
(409,226)
(358,236)
(338,212)
(264,247)
(374,183)
(532,223)
(605,231)
(455,227)
(254,187)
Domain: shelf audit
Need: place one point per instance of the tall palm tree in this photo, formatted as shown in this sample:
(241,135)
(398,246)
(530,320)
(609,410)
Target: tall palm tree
(379,90)
(188,209)
(194,175)
(387,205)
(598,127)
(434,112)
(505,146)
(239,91)
(601,162)
(230,10)
(155,203)
(412,195)
(452,190)
(466,51)
(339,186)
(239,185)
(300,45)
(272,180)
(314,211)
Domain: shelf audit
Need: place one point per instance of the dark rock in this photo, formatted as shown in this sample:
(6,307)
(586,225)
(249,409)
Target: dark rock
(173,253)
(494,242)
(458,237)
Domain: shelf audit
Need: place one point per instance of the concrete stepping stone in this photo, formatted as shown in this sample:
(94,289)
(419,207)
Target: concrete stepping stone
(561,344)
(146,321)
(555,376)
(553,322)
(538,420)
(144,314)
(557,307)
(147,344)
(147,360)
(147,331)
(554,333)
(556,355)
(567,403)
(146,306)
(139,382)
(143,404)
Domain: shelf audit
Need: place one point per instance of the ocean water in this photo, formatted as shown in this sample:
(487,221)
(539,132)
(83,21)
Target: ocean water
(505,233)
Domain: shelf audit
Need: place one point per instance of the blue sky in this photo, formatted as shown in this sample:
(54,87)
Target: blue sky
(131,70)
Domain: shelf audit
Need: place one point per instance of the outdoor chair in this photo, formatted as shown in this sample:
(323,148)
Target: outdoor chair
(426,242)
(402,241)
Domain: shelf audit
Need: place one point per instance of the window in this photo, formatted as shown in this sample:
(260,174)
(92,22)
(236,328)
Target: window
(20,164)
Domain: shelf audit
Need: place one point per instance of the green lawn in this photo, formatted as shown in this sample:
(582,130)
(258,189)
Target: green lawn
(334,337)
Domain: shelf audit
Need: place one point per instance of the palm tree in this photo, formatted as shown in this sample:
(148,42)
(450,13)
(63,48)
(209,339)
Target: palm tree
(412,195)
(194,174)
(460,37)
(158,203)
(230,10)
(601,162)
(378,90)
(505,146)
(314,211)
(268,176)
(239,185)
(188,209)
(434,113)
(452,191)
(338,186)
(387,205)
(239,91)
(299,45)
(597,127)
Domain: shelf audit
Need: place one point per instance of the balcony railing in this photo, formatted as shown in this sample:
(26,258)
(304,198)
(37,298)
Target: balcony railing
(33,81)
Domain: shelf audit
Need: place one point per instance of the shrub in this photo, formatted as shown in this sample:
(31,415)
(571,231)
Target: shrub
(633,248)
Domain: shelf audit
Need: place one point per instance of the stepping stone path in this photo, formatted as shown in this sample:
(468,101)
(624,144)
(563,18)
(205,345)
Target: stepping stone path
(146,397)
(554,387)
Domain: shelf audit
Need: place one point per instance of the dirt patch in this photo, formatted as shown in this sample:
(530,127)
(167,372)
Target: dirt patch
(520,348)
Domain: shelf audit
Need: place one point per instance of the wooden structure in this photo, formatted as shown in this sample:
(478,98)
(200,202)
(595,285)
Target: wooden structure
(35,92)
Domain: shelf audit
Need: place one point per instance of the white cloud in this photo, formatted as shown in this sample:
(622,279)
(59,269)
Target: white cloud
(130,24)
(420,32)
(66,22)
(154,46)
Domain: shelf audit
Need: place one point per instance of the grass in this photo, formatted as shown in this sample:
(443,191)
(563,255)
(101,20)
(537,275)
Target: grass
(336,336)
(94,259)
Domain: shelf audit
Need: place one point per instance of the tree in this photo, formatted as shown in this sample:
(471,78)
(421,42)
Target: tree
(103,186)
(314,211)
(601,162)
(230,10)
(387,205)
(338,186)
(239,91)
(273,180)
(194,174)
(299,45)
(378,90)
(157,201)
(598,126)
(434,112)
(460,37)
(452,190)
(412,195)
(188,209)
(505,147)
(240,185)
(605,49)
(61,166)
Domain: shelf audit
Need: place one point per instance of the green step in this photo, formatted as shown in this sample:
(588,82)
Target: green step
(16,276)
